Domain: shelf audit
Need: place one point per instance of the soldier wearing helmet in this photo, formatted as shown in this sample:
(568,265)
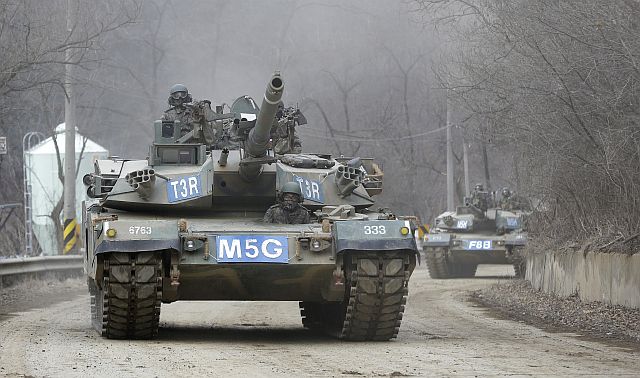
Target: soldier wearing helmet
(283,131)
(506,202)
(480,198)
(288,210)
(181,108)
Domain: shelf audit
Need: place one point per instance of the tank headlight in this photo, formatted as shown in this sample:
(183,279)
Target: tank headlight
(500,242)
(315,244)
(111,232)
(193,245)
(404,230)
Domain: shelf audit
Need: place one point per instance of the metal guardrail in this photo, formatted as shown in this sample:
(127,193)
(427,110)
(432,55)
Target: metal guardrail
(28,265)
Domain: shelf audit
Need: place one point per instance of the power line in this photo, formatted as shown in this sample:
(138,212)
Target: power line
(373,140)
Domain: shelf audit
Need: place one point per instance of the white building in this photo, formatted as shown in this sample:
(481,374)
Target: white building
(42,173)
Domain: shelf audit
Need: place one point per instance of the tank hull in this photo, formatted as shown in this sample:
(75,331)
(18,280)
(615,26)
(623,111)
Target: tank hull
(257,282)
(236,256)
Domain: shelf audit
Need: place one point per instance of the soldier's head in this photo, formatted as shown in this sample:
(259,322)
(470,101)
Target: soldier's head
(479,188)
(179,95)
(290,195)
(280,111)
(506,193)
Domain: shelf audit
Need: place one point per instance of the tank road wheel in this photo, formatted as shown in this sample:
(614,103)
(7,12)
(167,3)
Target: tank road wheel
(128,304)
(437,263)
(375,294)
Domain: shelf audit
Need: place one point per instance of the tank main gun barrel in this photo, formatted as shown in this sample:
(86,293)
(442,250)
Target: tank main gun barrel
(258,139)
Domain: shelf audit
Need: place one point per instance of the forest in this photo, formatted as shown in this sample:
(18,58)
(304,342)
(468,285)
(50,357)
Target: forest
(544,94)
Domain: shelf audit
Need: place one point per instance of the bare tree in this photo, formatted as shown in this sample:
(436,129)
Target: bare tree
(33,42)
(556,84)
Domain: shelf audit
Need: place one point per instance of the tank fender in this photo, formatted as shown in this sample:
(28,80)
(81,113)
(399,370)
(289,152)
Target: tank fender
(137,245)
(516,239)
(374,236)
(437,240)
(137,236)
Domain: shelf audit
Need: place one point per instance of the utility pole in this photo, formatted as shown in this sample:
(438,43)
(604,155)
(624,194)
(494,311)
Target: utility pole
(465,160)
(450,204)
(69,229)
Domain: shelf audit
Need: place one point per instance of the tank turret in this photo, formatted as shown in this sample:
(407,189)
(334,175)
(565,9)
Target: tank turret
(186,174)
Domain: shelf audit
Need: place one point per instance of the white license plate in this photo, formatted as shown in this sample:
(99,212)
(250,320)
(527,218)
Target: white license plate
(252,249)
(478,245)
(183,188)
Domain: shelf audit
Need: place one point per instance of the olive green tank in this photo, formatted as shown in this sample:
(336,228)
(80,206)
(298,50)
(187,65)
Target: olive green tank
(187,224)
(460,240)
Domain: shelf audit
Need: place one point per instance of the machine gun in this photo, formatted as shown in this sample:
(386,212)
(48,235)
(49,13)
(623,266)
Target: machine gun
(207,124)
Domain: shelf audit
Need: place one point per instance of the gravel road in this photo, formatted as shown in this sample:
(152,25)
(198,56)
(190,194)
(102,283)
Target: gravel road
(442,334)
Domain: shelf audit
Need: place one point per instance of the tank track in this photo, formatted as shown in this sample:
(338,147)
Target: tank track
(128,304)
(440,268)
(377,291)
(437,263)
(375,296)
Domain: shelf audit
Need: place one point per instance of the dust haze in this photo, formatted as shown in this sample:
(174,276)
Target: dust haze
(360,71)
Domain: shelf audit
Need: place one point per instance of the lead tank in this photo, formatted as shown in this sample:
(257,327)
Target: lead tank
(186,224)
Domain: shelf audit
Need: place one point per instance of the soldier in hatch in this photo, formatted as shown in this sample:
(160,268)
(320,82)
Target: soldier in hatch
(480,198)
(288,210)
(283,131)
(191,113)
(506,202)
(181,108)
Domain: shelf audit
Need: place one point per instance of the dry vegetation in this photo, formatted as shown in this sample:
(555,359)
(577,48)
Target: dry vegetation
(556,84)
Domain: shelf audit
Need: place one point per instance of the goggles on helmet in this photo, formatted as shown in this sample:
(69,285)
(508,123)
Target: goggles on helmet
(179,95)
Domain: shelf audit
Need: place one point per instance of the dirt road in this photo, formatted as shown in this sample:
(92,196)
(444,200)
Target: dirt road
(441,334)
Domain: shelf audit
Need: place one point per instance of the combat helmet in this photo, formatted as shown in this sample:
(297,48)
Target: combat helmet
(179,94)
(293,188)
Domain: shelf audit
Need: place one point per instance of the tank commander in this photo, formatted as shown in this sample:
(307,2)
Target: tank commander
(288,210)
(283,131)
(181,108)
(191,113)
(480,198)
